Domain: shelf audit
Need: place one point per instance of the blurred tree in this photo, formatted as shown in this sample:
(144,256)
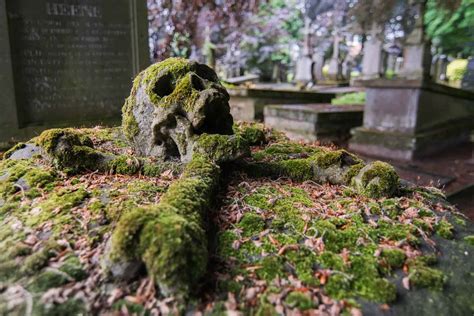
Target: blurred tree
(189,19)
(267,36)
(441,17)
(451,27)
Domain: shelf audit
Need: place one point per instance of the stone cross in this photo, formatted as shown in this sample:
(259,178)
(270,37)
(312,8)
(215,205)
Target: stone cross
(416,51)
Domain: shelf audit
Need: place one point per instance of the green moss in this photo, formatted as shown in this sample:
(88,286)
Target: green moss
(378,179)
(176,67)
(266,309)
(469,240)
(391,208)
(170,237)
(284,151)
(393,257)
(298,169)
(57,207)
(421,275)
(8,270)
(253,133)
(251,224)
(133,309)
(19,250)
(39,259)
(304,263)
(174,251)
(221,148)
(69,307)
(225,243)
(327,158)
(302,163)
(271,267)
(72,267)
(338,286)
(129,122)
(445,229)
(425,277)
(299,300)
(459,221)
(70,149)
(350,99)
(154,169)
(47,280)
(124,165)
(27,170)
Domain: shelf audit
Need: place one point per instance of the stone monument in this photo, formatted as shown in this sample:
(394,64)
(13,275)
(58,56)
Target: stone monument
(372,61)
(67,62)
(408,119)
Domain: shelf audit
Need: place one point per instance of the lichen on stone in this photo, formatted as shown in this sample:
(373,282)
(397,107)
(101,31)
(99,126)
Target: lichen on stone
(171,103)
(170,237)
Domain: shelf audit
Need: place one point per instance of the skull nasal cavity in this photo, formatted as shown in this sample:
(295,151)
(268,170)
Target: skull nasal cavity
(164,86)
(197,83)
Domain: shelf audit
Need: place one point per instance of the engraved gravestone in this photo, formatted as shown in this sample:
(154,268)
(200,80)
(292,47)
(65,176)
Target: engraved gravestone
(67,62)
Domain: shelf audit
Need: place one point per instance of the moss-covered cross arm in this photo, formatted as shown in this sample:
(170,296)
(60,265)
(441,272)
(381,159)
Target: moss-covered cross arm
(170,237)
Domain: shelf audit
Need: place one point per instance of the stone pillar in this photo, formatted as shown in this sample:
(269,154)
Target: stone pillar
(372,60)
(304,63)
(335,69)
(318,64)
(347,67)
(416,51)
(209,50)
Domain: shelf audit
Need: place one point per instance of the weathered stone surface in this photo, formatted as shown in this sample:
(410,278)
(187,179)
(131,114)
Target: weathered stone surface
(67,63)
(311,122)
(409,119)
(248,104)
(173,102)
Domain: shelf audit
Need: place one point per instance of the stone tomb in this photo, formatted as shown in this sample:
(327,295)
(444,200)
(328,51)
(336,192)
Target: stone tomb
(408,119)
(247,104)
(67,62)
(311,122)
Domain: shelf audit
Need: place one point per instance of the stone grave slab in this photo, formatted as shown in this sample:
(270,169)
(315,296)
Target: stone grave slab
(311,122)
(247,104)
(67,63)
(409,119)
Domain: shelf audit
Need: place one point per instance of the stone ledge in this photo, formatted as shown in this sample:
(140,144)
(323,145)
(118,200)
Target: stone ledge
(414,84)
(401,146)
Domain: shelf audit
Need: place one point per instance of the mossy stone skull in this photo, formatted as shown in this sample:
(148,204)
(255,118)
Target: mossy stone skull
(171,103)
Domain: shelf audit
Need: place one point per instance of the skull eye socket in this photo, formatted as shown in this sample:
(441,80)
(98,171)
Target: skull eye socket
(206,72)
(197,83)
(164,86)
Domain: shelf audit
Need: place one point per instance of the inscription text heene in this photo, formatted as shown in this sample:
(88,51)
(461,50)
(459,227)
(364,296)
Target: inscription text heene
(73,10)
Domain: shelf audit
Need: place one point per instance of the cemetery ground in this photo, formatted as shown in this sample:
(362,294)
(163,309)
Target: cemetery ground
(181,210)
(284,244)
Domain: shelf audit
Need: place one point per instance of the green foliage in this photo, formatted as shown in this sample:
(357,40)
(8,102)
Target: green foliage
(350,98)
(269,35)
(452,31)
(299,300)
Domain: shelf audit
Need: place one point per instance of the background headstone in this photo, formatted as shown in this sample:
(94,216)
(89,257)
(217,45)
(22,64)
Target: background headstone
(372,60)
(468,79)
(67,62)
